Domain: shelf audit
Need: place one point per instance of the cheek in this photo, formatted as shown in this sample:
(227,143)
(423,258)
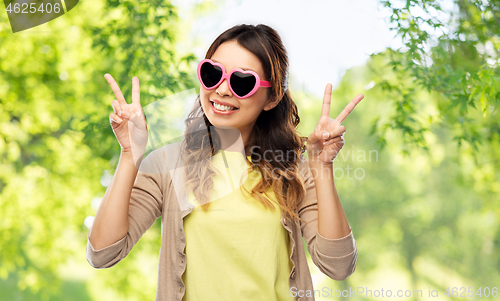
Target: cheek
(203,93)
(258,101)
(204,99)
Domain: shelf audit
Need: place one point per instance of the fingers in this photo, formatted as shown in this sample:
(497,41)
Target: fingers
(334,140)
(113,118)
(327,99)
(348,109)
(329,135)
(115,88)
(136,95)
(138,119)
(119,110)
(322,134)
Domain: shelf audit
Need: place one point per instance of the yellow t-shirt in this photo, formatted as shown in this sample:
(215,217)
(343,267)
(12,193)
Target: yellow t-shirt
(238,249)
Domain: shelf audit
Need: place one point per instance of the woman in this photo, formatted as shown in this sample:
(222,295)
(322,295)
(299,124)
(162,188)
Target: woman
(233,244)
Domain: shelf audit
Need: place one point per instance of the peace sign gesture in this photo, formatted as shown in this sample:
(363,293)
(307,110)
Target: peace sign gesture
(127,121)
(324,144)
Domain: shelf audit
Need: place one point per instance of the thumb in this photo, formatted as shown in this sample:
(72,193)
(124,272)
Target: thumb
(138,120)
(315,136)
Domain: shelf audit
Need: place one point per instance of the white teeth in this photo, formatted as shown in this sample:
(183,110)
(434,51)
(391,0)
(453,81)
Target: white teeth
(222,108)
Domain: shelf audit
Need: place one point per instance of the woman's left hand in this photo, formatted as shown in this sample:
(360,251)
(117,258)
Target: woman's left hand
(323,149)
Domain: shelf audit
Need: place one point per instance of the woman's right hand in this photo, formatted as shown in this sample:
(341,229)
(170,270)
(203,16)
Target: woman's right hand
(128,121)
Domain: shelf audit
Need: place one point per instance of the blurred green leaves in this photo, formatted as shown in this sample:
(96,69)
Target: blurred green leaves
(421,216)
(429,202)
(56,140)
(452,52)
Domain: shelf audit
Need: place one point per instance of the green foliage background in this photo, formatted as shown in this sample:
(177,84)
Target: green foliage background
(418,176)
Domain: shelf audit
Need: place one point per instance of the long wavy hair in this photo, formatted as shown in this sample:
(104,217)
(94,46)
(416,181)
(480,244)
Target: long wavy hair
(274,131)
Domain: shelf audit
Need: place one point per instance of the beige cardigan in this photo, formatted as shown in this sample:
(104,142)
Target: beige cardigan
(157,192)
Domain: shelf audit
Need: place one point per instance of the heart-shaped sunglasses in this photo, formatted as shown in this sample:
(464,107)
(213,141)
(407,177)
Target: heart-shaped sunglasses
(242,83)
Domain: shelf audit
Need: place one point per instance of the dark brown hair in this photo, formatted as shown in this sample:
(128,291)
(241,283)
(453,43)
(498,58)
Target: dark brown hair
(274,132)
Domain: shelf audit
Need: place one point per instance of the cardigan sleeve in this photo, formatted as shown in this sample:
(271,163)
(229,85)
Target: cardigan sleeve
(336,258)
(145,207)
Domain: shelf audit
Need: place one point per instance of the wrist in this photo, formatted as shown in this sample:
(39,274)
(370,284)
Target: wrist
(132,157)
(321,169)
(320,164)
(126,153)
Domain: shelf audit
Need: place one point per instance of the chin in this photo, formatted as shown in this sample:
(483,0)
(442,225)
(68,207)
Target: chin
(222,124)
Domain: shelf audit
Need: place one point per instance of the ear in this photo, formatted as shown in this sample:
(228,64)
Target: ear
(271,104)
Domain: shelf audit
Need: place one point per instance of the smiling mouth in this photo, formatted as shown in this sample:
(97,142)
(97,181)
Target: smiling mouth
(221,107)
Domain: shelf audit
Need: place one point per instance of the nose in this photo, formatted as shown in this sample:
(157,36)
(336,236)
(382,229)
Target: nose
(224,88)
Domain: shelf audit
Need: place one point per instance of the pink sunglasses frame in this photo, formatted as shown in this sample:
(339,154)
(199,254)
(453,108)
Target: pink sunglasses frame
(258,83)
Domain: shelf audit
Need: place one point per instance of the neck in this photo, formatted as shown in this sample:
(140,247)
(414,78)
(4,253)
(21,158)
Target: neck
(233,139)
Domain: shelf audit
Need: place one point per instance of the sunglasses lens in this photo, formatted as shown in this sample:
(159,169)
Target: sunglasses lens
(242,83)
(210,74)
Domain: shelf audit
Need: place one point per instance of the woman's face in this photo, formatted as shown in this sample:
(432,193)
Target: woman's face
(231,55)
